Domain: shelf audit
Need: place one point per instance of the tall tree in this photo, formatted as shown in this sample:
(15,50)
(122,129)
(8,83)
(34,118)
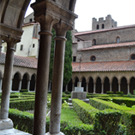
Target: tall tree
(68,58)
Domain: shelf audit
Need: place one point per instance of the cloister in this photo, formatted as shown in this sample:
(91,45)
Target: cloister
(50,14)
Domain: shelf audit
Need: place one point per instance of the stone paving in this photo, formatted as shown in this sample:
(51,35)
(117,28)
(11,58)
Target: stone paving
(12,132)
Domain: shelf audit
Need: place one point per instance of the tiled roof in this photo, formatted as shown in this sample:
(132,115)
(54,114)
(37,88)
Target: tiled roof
(21,61)
(103,30)
(108,46)
(104,66)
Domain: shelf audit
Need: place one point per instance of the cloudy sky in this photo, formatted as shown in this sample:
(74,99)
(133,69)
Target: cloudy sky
(122,11)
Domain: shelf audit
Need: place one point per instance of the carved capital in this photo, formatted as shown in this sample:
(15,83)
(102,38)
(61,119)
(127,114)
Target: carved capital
(61,29)
(46,22)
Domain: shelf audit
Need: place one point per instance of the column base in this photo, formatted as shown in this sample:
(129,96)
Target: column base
(6,124)
(60,133)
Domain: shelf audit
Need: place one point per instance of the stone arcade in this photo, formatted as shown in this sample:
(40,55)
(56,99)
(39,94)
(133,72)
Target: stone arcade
(49,13)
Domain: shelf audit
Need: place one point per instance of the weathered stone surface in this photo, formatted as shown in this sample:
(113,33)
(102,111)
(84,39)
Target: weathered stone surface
(12,132)
(54,134)
(6,124)
(79,95)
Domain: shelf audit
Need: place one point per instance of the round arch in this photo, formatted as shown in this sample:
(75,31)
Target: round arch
(91,85)
(32,82)
(25,81)
(123,85)
(84,83)
(106,84)
(16,81)
(98,85)
(115,85)
(132,84)
(76,81)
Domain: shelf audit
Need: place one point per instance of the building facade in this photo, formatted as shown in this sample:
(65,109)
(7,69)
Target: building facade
(104,58)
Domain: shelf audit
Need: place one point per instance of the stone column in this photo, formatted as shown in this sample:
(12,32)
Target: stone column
(67,87)
(57,82)
(118,86)
(102,88)
(28,85)
(46,22)
(73,87)
(87,86)
(128,90)
(1,84)
(11,84)
(7,81)
(20,85)
(110,86)
(94,88)
(79,84)
(0,45)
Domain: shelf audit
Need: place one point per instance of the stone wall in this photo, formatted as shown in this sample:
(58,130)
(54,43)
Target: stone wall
(109,36)
(108,54)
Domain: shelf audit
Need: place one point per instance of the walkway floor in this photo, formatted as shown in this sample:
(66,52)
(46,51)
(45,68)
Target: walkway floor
(12,132)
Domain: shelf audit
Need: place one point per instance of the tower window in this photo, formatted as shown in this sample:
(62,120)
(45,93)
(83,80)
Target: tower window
(133,57)
(33,45)
(94,42)
(117,39)
(93,58)
(74,58)
(30,19)
(21,47)
(103,26)
(97,27)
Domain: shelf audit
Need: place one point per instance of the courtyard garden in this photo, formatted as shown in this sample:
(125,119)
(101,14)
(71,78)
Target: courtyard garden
(106,114)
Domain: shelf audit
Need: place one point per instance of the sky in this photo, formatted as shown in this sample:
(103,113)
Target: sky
(122,11)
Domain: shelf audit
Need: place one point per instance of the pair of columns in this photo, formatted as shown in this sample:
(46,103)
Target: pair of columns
(43,76)
(7,85)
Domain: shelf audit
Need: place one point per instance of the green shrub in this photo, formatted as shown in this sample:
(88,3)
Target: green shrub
(128,114)
(24,121)
(85,111)
(24,90)
(133,92)
(120,93)
(67,92)
(109,92)
(23,105)
(107,122)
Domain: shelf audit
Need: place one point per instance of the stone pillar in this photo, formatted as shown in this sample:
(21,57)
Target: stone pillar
(46,22)
(102,88)
(57,82)
(73,85)
(87,86)
(118,86)
(7,81)
(11,84)
(0,45)
(67,87)
(20,85)
(128,90)
(110,86)
(1,84)
(94,88)
(28,85)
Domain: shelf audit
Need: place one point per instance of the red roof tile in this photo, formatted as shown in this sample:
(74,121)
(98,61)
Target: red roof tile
(108,46)
(21,61)
(104,66)
(103,30)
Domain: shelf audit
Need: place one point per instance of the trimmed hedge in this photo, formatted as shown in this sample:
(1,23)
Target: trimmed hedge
(24,121)
(23,105)
(24,90)
(85,111)
(128,114)
(107,122)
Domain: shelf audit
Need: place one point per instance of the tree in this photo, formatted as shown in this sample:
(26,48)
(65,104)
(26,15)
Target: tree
(68,58)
